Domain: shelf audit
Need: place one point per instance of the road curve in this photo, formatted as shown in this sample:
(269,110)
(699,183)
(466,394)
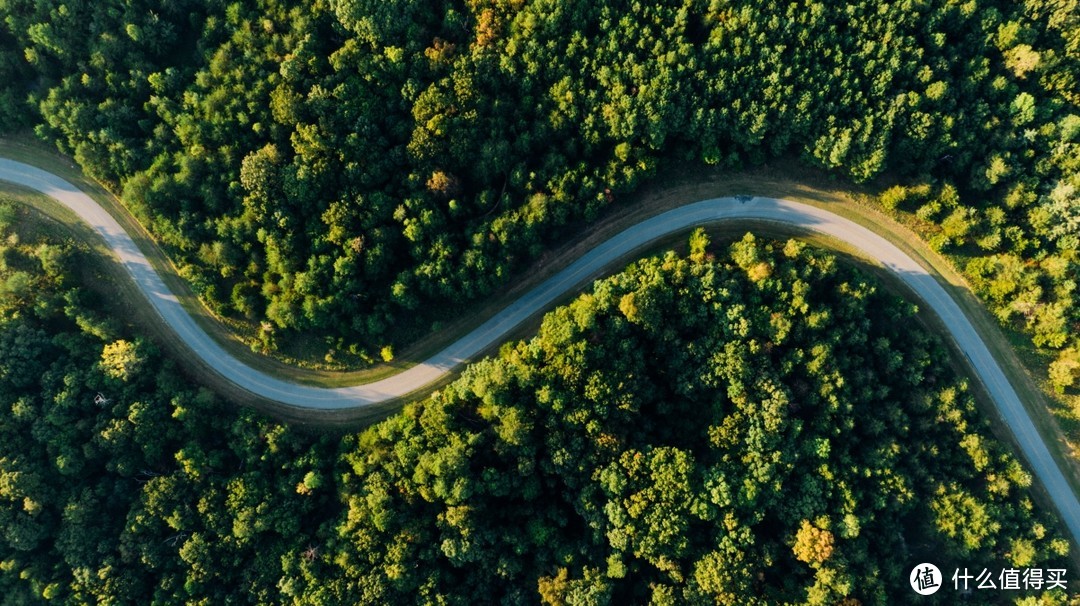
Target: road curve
(535,301)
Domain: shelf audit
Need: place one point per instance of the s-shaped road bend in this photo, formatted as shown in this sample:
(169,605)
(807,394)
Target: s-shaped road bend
(590,264)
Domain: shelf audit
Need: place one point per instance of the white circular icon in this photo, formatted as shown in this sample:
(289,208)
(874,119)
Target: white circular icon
(925,579)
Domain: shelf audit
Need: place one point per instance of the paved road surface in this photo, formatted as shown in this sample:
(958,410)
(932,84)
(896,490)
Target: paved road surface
(494,329)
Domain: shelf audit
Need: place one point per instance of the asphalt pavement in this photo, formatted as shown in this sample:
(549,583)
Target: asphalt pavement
(540,298)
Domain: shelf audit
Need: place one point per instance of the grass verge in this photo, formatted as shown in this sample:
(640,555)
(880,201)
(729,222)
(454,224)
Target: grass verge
(674,189)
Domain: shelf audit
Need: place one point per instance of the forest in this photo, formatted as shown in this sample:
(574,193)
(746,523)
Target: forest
(343,167)
(747,424)
(788,434)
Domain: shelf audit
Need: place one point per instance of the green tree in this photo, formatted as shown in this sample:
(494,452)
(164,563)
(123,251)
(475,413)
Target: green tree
(121,359)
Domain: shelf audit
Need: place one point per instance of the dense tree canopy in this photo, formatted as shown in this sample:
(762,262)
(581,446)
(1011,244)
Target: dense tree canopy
(120,482)
(337,166)
(786,434)
(757,428)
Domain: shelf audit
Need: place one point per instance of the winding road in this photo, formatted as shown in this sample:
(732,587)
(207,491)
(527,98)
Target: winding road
(590,264)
